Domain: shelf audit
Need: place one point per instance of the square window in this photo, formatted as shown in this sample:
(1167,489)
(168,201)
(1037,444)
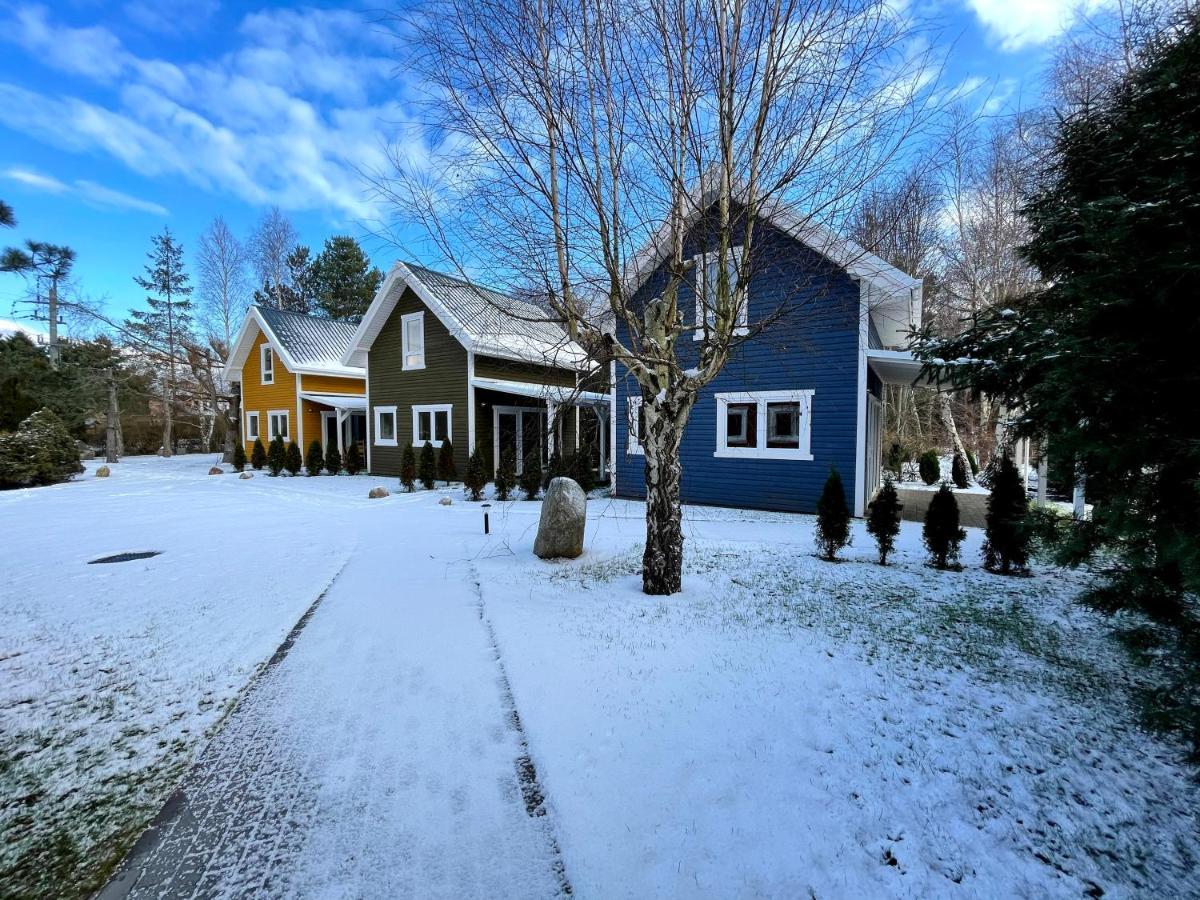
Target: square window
(433,423)
(278,421)
(783,425)
(740,425)
(385,426)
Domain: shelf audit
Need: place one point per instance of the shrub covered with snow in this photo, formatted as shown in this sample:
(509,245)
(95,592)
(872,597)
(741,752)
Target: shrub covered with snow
(40,451)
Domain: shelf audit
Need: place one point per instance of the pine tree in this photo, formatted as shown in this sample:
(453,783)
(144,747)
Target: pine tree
(239,457)
(475,479)
(958,472)
(942,534)
(833,517)
(506,475)
(428,467)
(276,456)
(293,461)
(929,467)
(333,460)
(354,463)
(883,519)
(258,454)
(163,330)
(314,460)
(447,471)
(344,282)
(1006,547)
(408,468)
(531,474)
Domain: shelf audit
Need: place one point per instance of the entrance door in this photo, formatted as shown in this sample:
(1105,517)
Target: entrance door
(329,429)
(517,430)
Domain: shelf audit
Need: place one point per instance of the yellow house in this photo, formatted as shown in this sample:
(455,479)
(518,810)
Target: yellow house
(293,382)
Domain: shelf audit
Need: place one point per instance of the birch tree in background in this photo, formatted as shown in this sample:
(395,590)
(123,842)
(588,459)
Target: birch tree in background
(221,263)
(562,136)
(273,240)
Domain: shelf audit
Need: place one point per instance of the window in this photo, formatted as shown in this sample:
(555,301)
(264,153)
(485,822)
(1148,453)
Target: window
(279,421)
(636,419)
(707,266)
(385,426)
(268,363)
(251,426)
(765,425)
(412,350)
(432,423)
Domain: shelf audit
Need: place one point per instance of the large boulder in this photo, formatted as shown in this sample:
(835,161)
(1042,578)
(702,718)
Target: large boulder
(564,514)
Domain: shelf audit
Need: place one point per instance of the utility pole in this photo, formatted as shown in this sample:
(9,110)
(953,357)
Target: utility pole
(112,442)
(53,350)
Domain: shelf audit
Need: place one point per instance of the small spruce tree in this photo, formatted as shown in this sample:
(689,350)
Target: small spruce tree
(929,467)
(506,475)
(276,456)
(427,468)
(446,469)
(408,468)
(958,472)
(833,517)
(333,460)
(883,518)
(258,454)
(554,468)
(239,457)
(531,474)
(293,461)
(942,534)
(353,459)
(314,460)
(1006,548)
(475,479)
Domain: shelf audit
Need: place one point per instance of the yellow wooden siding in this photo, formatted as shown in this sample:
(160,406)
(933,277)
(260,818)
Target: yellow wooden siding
(332,384)
(261,398)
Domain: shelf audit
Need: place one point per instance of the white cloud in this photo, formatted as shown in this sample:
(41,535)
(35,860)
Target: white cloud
(288,116)
(170,17)
(88,191)
(1020,23)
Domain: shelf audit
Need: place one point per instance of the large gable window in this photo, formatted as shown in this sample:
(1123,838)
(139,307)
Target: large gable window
(708,269)
(432,422)
(765,425)
(267,360)
(412,330)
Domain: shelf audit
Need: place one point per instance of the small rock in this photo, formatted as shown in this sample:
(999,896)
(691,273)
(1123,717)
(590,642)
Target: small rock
(446,501)
(377,492)
(103,472)
(564,514)
(246,475)
(215,470)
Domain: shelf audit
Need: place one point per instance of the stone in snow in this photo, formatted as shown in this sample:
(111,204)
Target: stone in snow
(445,501)
(246,475)
(216,471)
(564,514)
(103,472)
(377,492)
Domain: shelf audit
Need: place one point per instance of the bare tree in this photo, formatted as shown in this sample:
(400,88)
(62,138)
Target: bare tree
(272,241)
(567,134)
(221,274)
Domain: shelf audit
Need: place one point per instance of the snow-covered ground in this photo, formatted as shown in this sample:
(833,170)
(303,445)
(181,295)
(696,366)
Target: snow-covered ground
(784,727)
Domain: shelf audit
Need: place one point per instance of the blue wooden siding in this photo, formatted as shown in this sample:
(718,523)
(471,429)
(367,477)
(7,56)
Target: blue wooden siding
(814,346)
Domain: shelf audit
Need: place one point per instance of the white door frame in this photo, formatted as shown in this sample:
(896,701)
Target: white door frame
(518,411)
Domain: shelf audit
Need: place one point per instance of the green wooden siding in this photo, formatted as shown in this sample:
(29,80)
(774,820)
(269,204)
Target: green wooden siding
(527,373)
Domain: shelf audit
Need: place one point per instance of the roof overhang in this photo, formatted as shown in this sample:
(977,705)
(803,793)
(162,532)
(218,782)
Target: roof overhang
(549,392)
(567,357)
(244,343)
(337,401)
(898,367)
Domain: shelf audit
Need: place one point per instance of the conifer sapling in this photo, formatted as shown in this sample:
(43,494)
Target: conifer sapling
(333,460)
(531,475)
(446,469)
(428,467)
(239,457)
(942,534)
(276,456)
(293,461)
(833,517)
(353,459)
(929,467)
(314,460)
(883,519)
(1006,548)
(475,479)
(958,472)
(506,475)
(408,468)
(258,454)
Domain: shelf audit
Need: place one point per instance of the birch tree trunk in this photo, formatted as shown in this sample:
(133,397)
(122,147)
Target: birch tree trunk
(947,415)
(662,561)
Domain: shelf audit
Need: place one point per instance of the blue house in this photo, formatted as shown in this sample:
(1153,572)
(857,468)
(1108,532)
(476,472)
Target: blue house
(803,393)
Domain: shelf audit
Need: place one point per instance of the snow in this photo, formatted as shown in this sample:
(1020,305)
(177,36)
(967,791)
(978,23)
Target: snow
(784,727)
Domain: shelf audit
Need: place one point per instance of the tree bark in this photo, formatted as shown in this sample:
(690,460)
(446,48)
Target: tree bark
(947,415)
(662,561)
(233,426)
(112,448)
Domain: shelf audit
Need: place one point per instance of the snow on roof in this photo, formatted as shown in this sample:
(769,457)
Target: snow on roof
(311,341)
(484,320)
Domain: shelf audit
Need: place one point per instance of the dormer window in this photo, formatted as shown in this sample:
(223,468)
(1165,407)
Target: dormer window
(268,364)
(412,339)
(708,268)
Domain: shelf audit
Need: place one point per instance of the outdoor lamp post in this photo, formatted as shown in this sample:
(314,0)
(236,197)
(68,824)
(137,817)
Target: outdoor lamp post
(486,507)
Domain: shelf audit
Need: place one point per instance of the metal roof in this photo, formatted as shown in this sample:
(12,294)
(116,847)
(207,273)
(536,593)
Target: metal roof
(310,341)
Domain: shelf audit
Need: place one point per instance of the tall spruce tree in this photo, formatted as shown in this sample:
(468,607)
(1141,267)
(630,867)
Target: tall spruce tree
(1102,361)
(1006,548)
(163,329)
(833,517)
(343,279)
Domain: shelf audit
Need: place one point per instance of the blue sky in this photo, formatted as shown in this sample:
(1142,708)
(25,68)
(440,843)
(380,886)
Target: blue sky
(120,116)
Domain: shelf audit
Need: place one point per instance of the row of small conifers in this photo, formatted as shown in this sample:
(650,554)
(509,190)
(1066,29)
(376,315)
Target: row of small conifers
(1011,524)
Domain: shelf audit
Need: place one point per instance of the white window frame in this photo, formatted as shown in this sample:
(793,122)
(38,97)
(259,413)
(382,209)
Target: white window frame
(266,373)
(394,441)
(405,349)
(433,409)
(252,434)
(700,267)
(633,418)
(287,421)
(761,399)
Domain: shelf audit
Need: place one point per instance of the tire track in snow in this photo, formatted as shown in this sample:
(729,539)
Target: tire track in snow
(527,778)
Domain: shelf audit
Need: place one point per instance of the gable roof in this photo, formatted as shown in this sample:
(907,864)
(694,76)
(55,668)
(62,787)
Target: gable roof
(483,320)
(305,344)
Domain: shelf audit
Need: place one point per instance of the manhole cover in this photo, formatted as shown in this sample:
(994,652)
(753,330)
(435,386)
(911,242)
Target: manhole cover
(125,557)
